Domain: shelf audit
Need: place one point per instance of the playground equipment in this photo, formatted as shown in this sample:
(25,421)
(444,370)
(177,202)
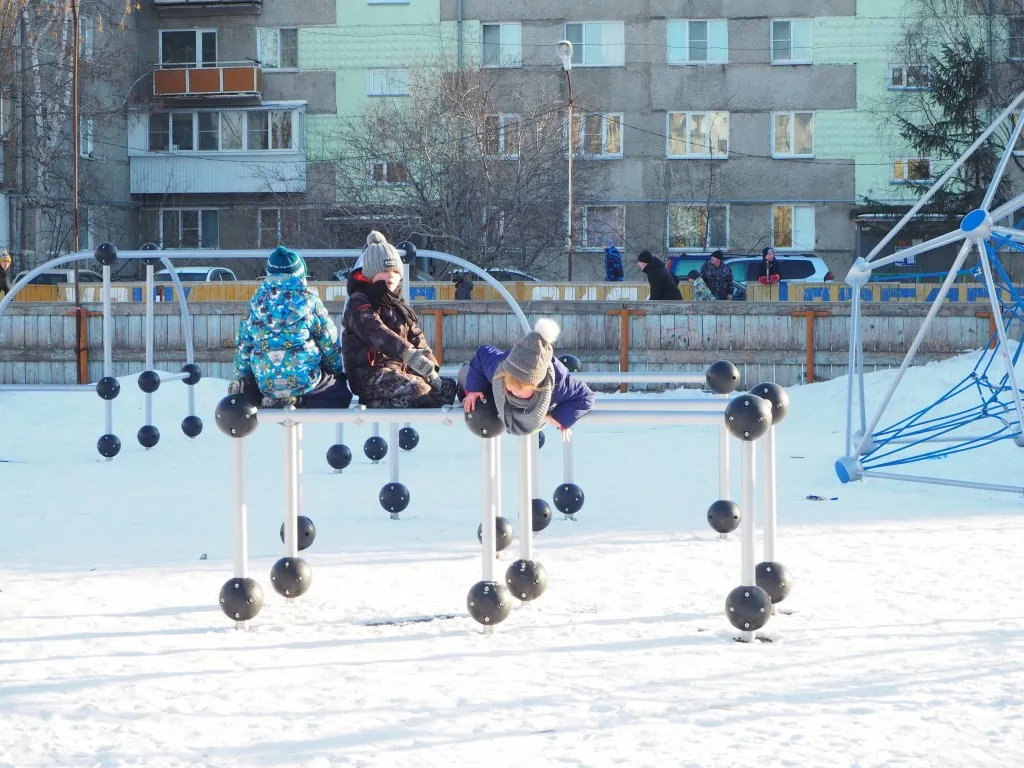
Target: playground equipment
(986,405)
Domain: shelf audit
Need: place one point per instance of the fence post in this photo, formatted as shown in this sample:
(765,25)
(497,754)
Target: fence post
(810,377)
(438,345)
(991,327)
(624,315)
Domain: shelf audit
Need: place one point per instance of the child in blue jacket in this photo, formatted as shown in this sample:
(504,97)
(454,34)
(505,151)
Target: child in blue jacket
(531,387)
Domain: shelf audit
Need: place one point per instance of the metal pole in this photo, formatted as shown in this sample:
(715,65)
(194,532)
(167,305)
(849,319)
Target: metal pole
(535,462)
(747,496)
(998,317)
(768,495)
(241,518)
(567,455)
(339,434)
(851,367)
(108,353)
(488,551)
(525,498)
(394,466)
(568,78)
(724,470)
(497,475)
(76,147)
(291,490)
(1015,489)
(149,339)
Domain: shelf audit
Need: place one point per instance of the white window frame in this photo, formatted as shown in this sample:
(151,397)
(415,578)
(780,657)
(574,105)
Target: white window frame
(198,63)
(578,149)
(903,70)
(709,150)
(680,56)
(296,132)
(200,212)
(86,36)
(85,143)
(708,244)
(275,66)
(792,138)
(580,50)
(514,60)
(388,75)
(503,121)
(579,234)
(384,173)
(1018,22)
(904,178)
(87,239)
(803,245)
(260,228)
(792,60)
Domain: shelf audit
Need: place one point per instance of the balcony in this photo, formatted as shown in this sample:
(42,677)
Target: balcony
(208,6)
(235,80)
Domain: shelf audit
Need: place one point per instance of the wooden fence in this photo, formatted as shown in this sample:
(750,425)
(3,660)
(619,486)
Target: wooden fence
(788,343)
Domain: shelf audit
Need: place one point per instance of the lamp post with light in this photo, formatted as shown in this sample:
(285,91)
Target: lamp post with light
(564,50)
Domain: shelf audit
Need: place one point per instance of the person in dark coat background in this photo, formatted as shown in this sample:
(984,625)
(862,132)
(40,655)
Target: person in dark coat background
(613,265)
(530,385)
(717,275)
(769,273)
(463,286)
(663,286)
(5,273)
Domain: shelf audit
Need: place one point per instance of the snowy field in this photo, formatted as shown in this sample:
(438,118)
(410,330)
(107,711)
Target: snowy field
(905,645)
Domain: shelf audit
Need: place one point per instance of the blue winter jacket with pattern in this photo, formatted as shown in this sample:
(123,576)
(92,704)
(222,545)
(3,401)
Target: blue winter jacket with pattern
(287,339)
(570,399)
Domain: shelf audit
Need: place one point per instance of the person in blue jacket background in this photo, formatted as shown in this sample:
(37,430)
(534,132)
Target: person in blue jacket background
(530,386)
(613,265)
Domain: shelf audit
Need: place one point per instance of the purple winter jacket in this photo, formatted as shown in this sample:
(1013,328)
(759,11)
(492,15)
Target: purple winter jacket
(570,399)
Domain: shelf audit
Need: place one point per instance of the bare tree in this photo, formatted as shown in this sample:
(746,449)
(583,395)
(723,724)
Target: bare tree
(474,165)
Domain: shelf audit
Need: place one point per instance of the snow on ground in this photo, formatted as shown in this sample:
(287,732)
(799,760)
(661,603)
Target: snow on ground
(905,646)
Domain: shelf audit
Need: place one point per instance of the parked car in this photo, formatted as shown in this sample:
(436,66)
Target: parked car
(680,265)
(503,275)
(61,277)
(796,268)
(197,275)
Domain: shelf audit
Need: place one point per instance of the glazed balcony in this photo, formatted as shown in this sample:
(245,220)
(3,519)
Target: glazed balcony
(242,81)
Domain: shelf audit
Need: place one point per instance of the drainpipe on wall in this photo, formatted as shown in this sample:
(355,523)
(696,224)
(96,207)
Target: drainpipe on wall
(458,24)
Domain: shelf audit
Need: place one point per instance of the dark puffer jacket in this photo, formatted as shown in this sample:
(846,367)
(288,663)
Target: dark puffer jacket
(663,286)
(375,334)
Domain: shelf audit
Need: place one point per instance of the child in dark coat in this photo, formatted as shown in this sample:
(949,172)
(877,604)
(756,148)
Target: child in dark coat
(388,361)
(769,272)
(530,386)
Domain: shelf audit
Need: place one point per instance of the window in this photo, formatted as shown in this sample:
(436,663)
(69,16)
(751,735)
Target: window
(236,130)
(188,48)
(909,77)
(270,228)
(698,42)
(389,172)
(189,228)
(595,227)
(1016,38)
(278,48)
(910,170)
(87,240)
(86,29)
(791,41)
(387,82)
(597,135)
(698,134)
(698,227)
(597,44)
(85,137)
(501,136)
(793,134)
(502,45)
(793,227)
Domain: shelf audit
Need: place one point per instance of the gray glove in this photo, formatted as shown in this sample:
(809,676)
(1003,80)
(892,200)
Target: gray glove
(419,363)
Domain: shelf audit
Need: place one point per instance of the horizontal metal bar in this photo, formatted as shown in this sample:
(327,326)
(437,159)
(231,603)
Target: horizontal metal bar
(181,376)
(1017,489)
(913,441)
(47,387)
(627,377)
(659,404)
(444,416)
(654,418)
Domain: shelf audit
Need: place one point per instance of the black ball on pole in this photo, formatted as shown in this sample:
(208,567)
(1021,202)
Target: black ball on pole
(375,448)
(722,377)
(151,261)
(483,420)
(774,579)
(777,397)
(306,532)
(489,602)
(541,515)
(724,516)
(394,497)
(748,608)
(339,456)
(241,599)
(568,498)
(571,363)
(291,577)
(194,374)
(148,436)
(526,579)
(748,417)
(236,415)
(408,438)
(108,388)
(192,426)
(149,381)
(503,533)
(108,446)
(540,439)
(105,254)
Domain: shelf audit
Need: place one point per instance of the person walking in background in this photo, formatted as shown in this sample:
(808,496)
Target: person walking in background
(698,288)
(718,277)
(663,287)
(463,286)
(287,350)
(769,273)
(613,265)
(5,273)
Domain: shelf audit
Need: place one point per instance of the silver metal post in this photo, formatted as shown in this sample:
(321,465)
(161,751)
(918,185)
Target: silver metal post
(535,462)
(768,494)
(241,518)
(567,462)
(998,317)
(525,498)
(394,466)
(291,490)
(851,367)
(488,551)
(405,283)
(724,469)
(497,475)
(149,340)
(108,355)
(339,434)
(298,477)
(748,491)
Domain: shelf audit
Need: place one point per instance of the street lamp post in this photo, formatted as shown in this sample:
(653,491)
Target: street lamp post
(564,50)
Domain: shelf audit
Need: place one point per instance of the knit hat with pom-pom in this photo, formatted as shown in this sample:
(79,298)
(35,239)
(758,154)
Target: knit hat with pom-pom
(379,256)
(285,262)
(531,356)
